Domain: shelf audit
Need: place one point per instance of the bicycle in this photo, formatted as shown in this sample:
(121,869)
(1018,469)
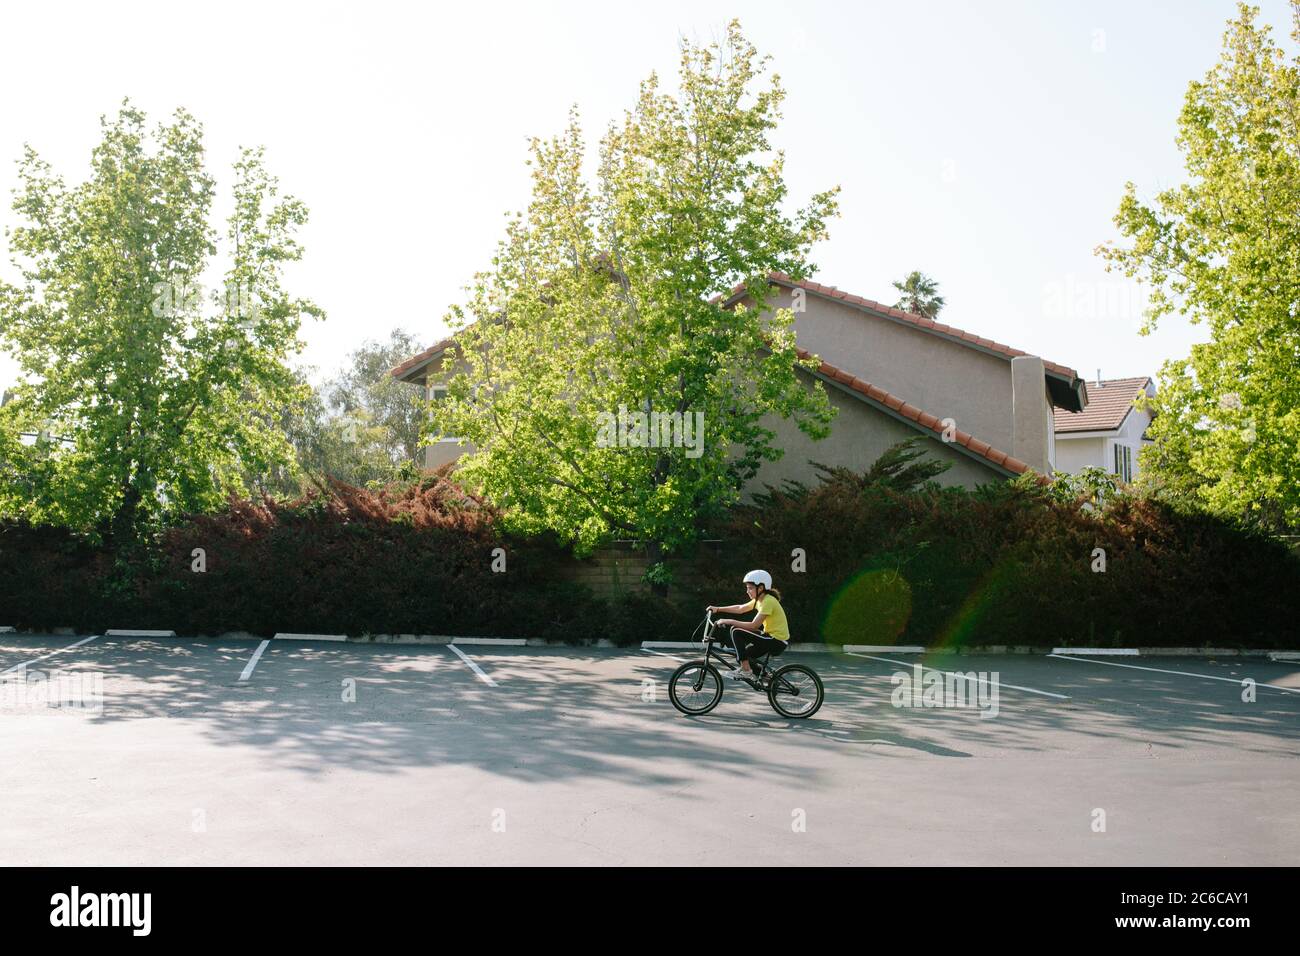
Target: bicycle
(794,691)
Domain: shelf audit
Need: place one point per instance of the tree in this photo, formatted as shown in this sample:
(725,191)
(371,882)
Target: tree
(920,295)
(165,397)
(1224,248)
(364,390)
(361,427)
(604,384)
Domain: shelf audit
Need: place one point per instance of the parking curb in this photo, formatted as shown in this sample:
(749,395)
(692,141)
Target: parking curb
(879,648)
(991,650)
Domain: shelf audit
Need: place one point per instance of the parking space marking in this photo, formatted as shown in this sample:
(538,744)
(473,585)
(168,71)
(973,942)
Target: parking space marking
(1159,670)
(252,661)
(472,666)
(18,667)
(959,674)
(646,650)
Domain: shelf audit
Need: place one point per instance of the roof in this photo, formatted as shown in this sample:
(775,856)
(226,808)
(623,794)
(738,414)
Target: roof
(404,372)
(1064,383)
(1071,385)
(917,417)
(1108,405)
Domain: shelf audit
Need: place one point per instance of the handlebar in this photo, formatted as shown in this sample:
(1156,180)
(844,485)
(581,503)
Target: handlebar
(710,622)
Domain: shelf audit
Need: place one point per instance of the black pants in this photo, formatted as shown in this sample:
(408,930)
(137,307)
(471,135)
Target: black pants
(750,646)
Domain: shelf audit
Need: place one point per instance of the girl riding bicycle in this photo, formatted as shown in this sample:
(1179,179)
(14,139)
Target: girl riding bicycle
(767,633)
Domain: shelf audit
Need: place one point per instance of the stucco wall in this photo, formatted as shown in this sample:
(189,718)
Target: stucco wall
(859,435)
(944,378)
(440,452)
(1075,454)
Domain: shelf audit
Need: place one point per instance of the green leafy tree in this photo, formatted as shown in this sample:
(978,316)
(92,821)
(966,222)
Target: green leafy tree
(920,295)
(1224,248)
(361,426)
(605,301)
(161,398)
(364,390)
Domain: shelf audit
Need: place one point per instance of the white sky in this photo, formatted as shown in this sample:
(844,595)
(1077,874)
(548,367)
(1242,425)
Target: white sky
(986,144)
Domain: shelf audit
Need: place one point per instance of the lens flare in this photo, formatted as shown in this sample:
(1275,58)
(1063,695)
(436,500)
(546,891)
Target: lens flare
(872,608)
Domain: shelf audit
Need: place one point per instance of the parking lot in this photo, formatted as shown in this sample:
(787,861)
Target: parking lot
(225,751)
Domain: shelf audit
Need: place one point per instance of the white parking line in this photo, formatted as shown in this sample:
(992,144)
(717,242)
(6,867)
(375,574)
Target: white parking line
(646,650)
(910,664)
(252,661)
(18,667)
(472,666)
(1159,670)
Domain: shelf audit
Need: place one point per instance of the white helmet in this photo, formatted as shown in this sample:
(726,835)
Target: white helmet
(759,577)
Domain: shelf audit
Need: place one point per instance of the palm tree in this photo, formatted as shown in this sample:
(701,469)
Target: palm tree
(920,295)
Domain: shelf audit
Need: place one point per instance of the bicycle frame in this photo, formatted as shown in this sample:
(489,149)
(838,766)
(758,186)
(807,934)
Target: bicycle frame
(709,625)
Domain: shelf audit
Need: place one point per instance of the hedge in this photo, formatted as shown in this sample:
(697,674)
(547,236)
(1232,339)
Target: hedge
(940,567)
(415,560)
(1007,564)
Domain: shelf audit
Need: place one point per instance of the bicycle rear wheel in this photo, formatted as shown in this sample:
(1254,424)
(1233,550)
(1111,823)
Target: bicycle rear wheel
(695,688)
(795,691)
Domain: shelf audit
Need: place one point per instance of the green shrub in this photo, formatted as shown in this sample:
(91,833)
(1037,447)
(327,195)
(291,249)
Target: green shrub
(889,559)
(1009,563)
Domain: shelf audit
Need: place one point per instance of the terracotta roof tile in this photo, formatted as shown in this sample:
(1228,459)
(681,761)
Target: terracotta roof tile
(1108,403)
(918,321)
(399,370)
(921,417)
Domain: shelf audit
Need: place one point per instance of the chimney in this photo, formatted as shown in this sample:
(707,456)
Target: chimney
(1099,378)
(1031,413)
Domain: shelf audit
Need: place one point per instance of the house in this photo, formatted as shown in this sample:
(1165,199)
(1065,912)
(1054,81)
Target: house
(984,407)
(1109,432)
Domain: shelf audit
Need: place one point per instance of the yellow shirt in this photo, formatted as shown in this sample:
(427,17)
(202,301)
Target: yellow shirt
(774,625)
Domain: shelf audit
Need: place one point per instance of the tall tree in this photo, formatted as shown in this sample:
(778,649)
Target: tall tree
(920,295)
(361,426)
(604,308)
(363,390)
(1224,248)
(165,397)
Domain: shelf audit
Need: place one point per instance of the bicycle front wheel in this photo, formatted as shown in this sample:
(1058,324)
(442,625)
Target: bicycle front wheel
(795,691)
(695,688)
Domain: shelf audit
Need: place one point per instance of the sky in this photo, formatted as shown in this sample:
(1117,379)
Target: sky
(986,144)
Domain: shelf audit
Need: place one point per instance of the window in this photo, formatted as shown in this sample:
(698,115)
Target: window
(1123,462)
(437,393)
